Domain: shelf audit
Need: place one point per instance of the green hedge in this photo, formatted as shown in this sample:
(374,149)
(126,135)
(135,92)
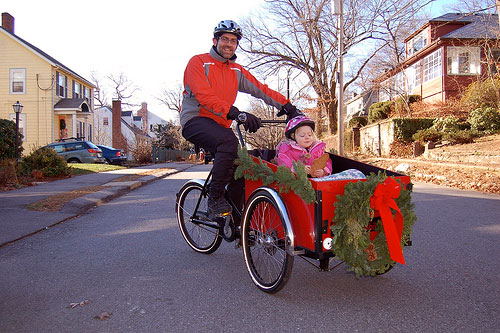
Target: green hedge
(358,121)
(379,111)
(404,128)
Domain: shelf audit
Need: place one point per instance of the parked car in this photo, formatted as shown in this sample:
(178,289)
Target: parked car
(113,155)
(78,151)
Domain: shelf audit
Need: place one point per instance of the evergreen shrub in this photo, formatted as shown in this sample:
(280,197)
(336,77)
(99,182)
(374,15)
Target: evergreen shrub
(405,128)
(485,119)
(358,121)
(428,134)
(379,111)
(482,94)
(8,139)
(46,161)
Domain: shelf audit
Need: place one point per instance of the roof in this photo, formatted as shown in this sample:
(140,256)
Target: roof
(46,56)
(135,129)
(72,104)
(475,25)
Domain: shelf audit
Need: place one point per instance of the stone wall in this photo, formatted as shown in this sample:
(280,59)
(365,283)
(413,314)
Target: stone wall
(376,139)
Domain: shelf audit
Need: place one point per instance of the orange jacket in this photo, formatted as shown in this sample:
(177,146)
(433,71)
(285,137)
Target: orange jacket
(211,84)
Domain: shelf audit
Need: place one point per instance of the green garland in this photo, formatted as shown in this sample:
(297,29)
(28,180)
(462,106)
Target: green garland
(351,242)
(283,178)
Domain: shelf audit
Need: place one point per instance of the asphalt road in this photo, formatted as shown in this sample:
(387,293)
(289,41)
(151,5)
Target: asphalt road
(128,258)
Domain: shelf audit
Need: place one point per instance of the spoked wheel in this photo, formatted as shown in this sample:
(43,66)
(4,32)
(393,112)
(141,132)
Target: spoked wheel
(265,243)
(196,229)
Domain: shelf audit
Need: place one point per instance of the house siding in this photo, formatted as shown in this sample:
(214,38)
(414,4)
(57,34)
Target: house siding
(37,99)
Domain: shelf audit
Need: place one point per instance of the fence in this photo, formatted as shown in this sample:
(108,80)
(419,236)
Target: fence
(161,155)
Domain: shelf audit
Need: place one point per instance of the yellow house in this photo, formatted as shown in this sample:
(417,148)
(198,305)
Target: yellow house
(57,101)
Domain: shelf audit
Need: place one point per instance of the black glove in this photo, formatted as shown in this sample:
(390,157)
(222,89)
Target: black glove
(290,111)
(250,122)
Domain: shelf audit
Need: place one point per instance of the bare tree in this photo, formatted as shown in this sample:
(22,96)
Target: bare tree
(100,98)
(301,34)
(269,135)
(116,85)
(123,89)
(172,98)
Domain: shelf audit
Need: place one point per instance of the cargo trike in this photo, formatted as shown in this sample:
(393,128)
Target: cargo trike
(273,226)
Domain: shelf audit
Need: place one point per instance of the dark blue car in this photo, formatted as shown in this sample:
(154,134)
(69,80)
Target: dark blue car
(112,155)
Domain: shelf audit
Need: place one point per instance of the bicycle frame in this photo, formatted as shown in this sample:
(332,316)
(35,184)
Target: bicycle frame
(235,210)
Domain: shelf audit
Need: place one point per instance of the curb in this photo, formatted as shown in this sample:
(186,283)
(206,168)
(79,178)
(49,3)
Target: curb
(82,204)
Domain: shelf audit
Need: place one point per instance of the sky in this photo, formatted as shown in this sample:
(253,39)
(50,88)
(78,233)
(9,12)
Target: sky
(150,41)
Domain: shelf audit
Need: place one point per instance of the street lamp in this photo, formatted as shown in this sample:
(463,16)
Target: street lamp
(18,107)
(337,9)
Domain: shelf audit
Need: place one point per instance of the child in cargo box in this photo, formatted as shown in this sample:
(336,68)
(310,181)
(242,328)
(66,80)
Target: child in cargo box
(302,145)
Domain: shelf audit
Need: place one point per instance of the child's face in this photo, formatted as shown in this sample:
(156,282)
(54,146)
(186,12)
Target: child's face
(304,136)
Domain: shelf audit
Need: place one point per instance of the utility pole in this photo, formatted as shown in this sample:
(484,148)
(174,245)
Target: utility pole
(337,9)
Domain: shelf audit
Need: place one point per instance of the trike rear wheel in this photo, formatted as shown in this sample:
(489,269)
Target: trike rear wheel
(200,237)
(265,243)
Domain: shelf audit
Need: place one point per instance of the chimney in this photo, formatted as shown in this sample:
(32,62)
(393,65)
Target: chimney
(143,112)
(118,141)
(8,22)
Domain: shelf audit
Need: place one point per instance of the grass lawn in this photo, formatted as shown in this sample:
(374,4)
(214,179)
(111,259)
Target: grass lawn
(84,168)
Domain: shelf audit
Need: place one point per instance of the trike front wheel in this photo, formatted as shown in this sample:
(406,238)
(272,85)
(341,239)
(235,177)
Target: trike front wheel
(199,236)
(265,243)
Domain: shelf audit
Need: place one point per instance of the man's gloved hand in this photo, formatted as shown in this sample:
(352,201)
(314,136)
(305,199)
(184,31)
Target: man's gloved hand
(250,122)
(290,111)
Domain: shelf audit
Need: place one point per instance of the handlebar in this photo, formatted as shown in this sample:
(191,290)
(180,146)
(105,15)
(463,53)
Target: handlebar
(240,122)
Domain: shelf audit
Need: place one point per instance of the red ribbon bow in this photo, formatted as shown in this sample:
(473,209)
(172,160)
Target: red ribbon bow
(383,200)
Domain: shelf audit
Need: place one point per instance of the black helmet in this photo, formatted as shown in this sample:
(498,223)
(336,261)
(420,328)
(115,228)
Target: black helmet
(228,26)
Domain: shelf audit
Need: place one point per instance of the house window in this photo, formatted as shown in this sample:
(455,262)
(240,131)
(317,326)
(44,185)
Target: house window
(17,80)
(432,66)
(413,77)
(399,83)
(418,42)
(463,60)
(494,61)
(105,121)
(62,85)
(86,94)
(418,73)
(77,90)
(80,129)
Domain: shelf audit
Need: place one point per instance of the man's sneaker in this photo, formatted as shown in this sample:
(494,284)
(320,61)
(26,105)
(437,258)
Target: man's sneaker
(218,207)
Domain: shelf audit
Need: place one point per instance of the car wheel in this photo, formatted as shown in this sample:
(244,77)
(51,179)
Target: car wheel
(74,160)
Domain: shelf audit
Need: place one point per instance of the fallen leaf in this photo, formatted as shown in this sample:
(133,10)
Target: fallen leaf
(82,303)
(103,315)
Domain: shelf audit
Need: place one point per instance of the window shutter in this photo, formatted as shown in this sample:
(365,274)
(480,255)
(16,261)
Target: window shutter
(65,86)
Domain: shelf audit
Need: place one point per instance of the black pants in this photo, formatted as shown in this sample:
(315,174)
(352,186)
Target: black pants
(207,134)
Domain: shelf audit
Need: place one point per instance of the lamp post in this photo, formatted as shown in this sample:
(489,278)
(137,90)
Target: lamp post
(337,9)
(18,107)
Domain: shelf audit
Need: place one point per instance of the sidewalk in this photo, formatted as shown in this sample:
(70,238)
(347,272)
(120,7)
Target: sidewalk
(17,221)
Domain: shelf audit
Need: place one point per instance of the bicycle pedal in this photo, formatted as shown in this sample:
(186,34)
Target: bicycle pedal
(228,230)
